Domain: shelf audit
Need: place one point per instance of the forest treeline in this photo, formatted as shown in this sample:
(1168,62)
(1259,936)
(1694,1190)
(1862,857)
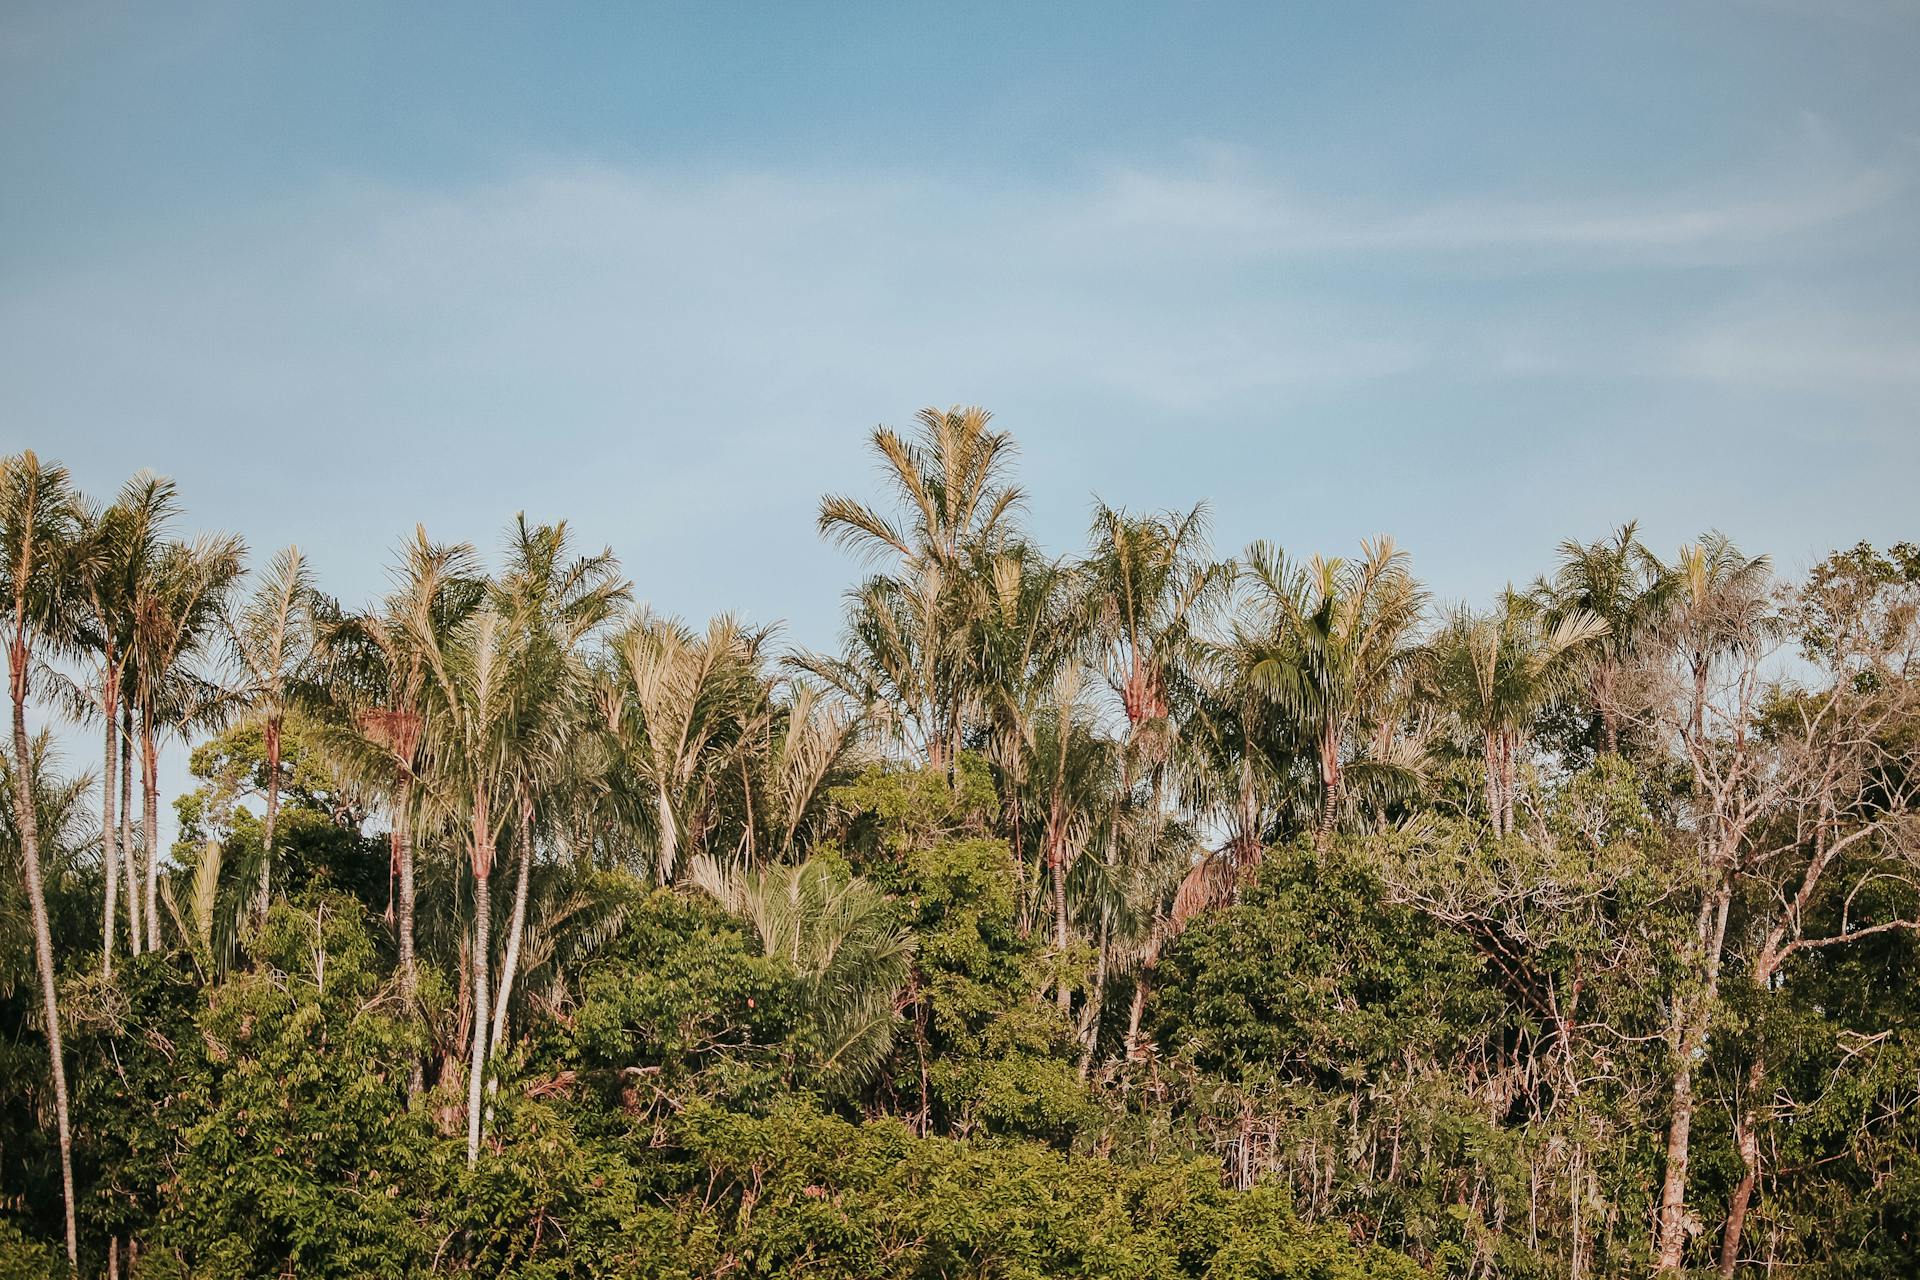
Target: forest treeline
(1142,911)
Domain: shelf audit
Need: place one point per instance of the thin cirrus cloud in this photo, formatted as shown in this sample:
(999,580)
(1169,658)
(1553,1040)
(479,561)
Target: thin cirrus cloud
(1733,215)
(597,272)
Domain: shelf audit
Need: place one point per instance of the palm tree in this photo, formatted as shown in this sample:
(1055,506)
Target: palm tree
(371,700)
(1072,791)
(1494,672)
(1153,584)
(813,739)
(41,519)
(909,630)
(125,542)
(1721,609)
(842,937)
(1031,631)
(1621,582)
(1337,638)
(177,604)
(562,600)
(682,708)
(481,696)
(272,640)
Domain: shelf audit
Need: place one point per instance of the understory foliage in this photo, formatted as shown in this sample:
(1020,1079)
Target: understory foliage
(1139,912)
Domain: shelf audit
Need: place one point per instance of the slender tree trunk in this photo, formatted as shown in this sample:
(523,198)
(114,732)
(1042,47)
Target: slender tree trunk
(109,853)
(1697,714)
(1332,783)
(1057,862)
(1490,752)
(1603,684)
(150,821)
(669,841)
(263,895)
(510,964)
(1509,748)
(1096,1000)
(1673,1192)
(129,864)
(1746,1138)
(28,823)
(1025,913)
(482,926)
(402,837)
(1693,1016)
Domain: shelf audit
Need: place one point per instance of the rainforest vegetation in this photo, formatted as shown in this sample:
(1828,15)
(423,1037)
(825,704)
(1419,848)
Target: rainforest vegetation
(1146,910)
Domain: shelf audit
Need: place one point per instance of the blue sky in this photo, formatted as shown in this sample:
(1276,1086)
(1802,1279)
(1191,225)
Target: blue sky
(1478,275)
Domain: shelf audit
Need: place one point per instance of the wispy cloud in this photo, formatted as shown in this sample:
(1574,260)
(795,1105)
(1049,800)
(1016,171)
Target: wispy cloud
(1257,213)
(1775,343)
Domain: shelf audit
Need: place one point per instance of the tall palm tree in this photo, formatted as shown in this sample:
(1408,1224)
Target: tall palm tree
(1620,581)
(1338,636)
(1072,791)
(479,698)
(562,599)
(372,700)
(1031,631)
(1493,673)
(177,606)
(126,539)
(272,638)
(40,524)
(1152,585)
(955,512)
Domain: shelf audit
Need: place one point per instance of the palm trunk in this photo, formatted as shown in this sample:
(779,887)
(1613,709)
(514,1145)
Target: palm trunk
(129,869)
(1746,1138)
(409,979)
(1509,748)
(263,895)
(1693,1017)
(109,854)
(1025,911)
(1332,784)
(1057,864)
(1490,752)
(669,841)
(28,822)
(150,823)
(1064,995)
(482,922)
(510,965)
(1609,714)
(1096,1000)
(481,853)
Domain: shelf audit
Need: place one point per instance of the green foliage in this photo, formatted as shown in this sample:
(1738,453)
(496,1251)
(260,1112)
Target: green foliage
(1311,976)
(682,1002)
(740,1000)
(981,1054)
